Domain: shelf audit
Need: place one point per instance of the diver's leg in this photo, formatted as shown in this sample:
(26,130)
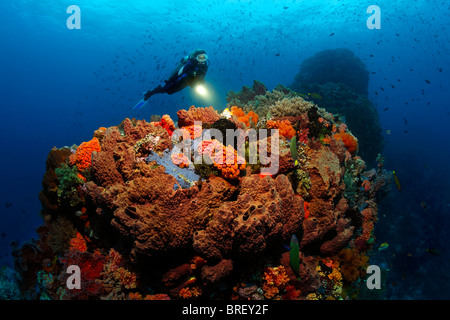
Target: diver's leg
(158,89)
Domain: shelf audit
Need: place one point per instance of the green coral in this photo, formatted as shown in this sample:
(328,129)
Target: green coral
(9,284)
(205,170)
(303,183)
(68,182)
(44,284)
(353,169)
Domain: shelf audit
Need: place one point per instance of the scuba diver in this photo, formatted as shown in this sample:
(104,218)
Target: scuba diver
(191,70)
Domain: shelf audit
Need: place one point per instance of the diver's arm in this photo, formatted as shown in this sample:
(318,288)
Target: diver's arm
(176,73)
(202,74)
(184,59)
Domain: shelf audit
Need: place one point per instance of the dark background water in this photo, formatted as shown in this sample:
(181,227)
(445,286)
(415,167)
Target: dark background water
(58,85)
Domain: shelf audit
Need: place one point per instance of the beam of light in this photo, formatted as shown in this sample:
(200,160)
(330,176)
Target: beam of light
(201,90)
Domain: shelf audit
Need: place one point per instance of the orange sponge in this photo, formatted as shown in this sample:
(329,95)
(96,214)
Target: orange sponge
(245,118)
(350,142)
(82,157)
(224,158)
(285,127)
(179,159)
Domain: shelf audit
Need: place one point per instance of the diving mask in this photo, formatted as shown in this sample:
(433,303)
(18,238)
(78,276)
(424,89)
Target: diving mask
(202,58)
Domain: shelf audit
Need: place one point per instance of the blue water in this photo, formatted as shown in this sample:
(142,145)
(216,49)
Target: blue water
(58,85)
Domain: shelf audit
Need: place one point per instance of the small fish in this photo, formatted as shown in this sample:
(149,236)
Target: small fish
(383,246)
(315,96)
(406,121)
(397,181)
(388,132)
(331,34)
(277,54)
(294,255)
(293,146)
(304,96)
(433,251)
(385,109)
(428,81)
(423,205)
(8,204)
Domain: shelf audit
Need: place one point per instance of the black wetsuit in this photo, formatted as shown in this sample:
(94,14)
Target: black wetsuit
(188,73)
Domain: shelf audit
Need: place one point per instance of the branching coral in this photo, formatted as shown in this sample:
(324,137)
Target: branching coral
(290,107)
(260,101)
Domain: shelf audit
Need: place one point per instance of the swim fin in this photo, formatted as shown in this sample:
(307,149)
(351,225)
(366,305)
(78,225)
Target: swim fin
(140,104)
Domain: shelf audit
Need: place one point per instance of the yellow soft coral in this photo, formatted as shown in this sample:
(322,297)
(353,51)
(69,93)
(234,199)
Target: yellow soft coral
(275,278)
(186,293)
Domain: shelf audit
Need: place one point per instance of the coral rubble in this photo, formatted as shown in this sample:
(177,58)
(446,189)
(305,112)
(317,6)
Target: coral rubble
(144,219)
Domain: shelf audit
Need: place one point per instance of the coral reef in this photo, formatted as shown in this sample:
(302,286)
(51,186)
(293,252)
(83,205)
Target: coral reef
(338,65)
(338,81)
(149,219)
(258,99)
(246,94)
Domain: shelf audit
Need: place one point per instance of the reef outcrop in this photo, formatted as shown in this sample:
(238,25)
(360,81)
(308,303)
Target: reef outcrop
(338,80)
(154,214)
